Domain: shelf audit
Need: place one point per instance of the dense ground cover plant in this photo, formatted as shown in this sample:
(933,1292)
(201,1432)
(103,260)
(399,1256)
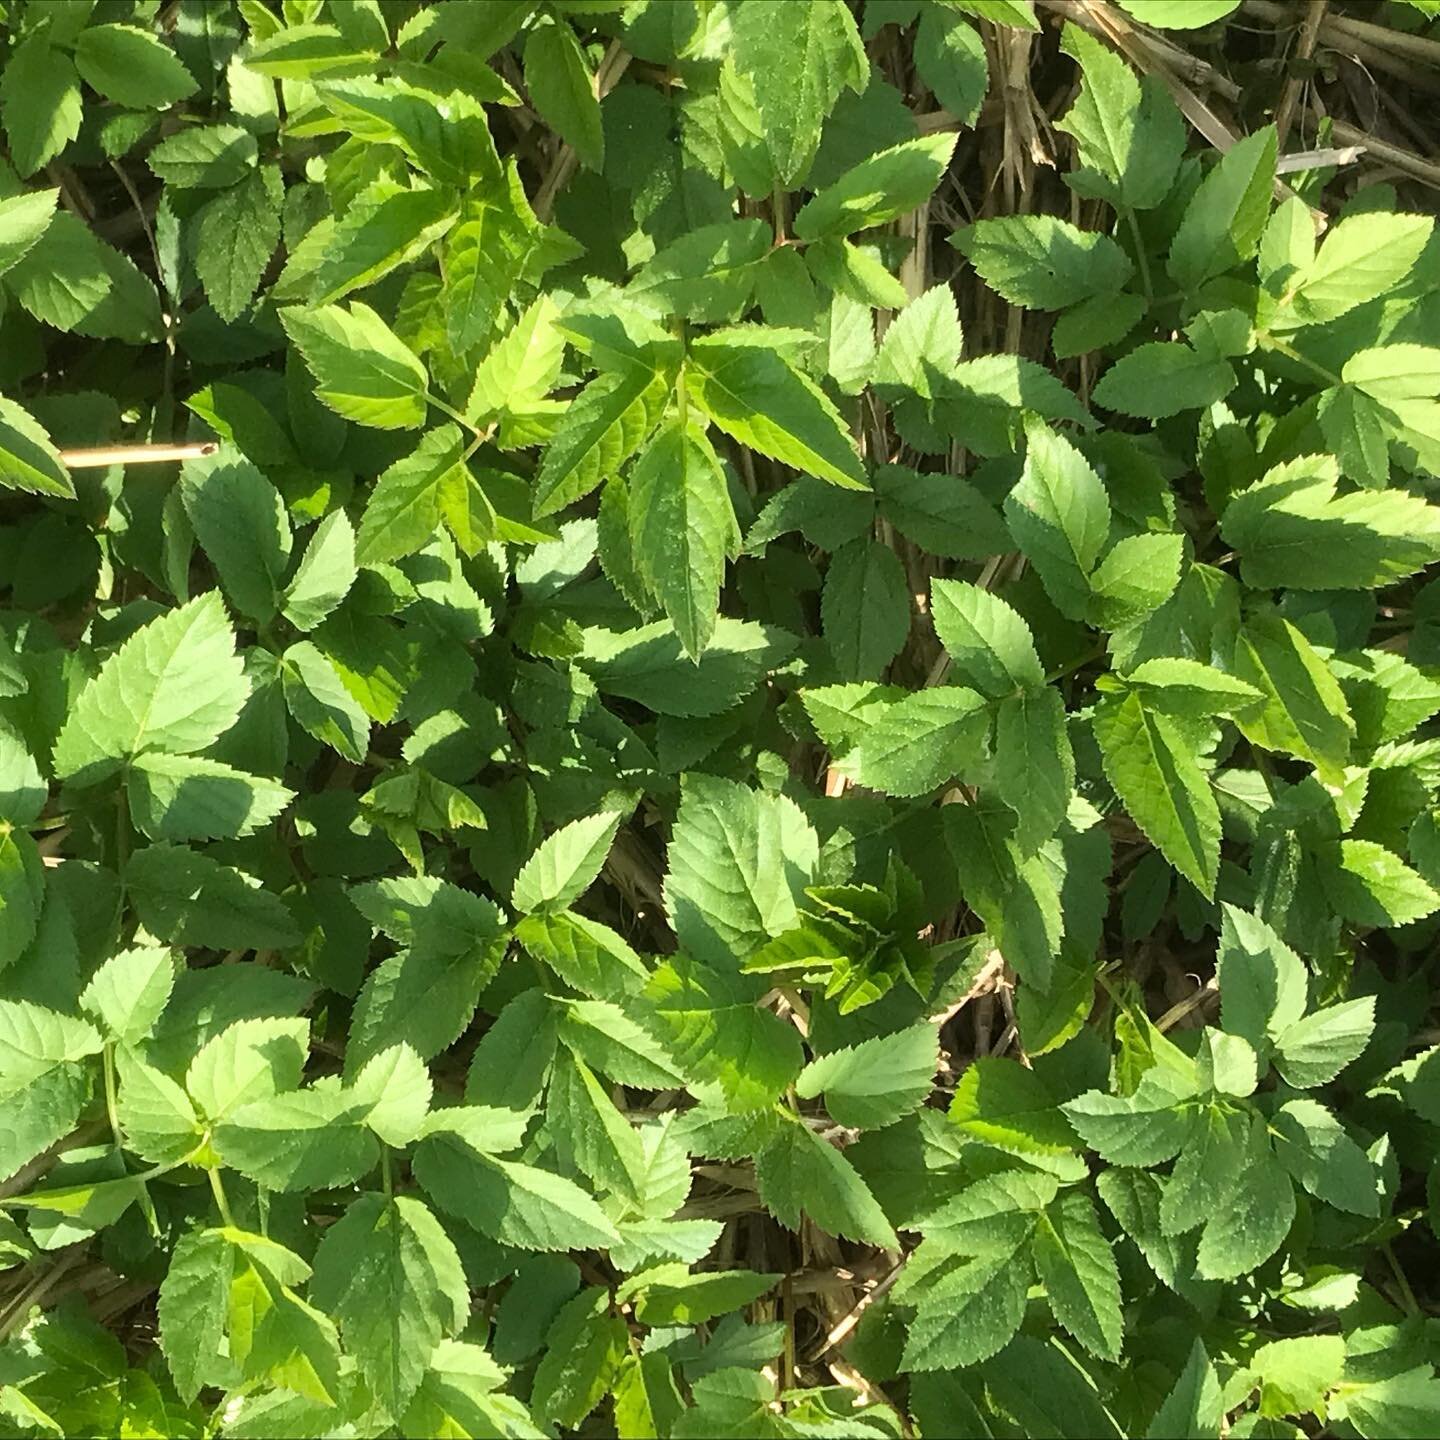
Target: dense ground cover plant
(715,816)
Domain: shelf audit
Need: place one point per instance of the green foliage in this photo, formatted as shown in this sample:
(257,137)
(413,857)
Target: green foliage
(698,813)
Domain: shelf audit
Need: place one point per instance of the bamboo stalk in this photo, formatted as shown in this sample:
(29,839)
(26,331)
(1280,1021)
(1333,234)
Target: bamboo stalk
(98,456)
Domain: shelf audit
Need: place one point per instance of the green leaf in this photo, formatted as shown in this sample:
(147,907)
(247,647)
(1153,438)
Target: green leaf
(1002,1104)
(205,157)
(586,955)
(362,371)
(798,57)
(188,898)
(1359,259)
(131,67)
(924,337)
(236,236)
(1313,1051)
(738,859)
(412,497)
(307,1140)
(397,1083)
(1034,764)
(39,102)
(710,1025)
(671,1295)
(1304,713)
(1043,263)
(1163,378)
(989,645)
(1194,1409)
(915,744)
(1153,769)
(24,218)
(156,1115)
(707,275)
(942,514)
(239,519)
(682,525)
(1371,885)
(584,1347)
(521,367)
(386,226)
(325,573)
(1223,222)
(565,864)
(1407,1404)
(865,608)
(1137,575)
(515,1204)
(590,1133)
(1262,980)
(562,89)
(28,458)
(1246,1227)
(1077,1268)
(874,1083)
(878,189)
(128,992)
(1311,1144)
(43,1078)
(649,665)
(320,703)
(1130,137)
(390,1277)
(1060,517)
(194,1308)
(1292,531)
(970,1315)
(757,398)
(798,1171)
(603,427)
(1179,14)
(950,59)
(174,686)
(248,1061)
(186,797)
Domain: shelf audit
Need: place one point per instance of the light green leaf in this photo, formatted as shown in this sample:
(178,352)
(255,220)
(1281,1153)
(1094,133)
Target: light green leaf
(1179,14)
(1077,1268)
(39,102)
(175,685)
(320,703)
(799,1172)
(515,1204)
(236,236)
(1223,222)
(1195,1408)
(396,1085)
(738,861)
(1359,259)
(128,992)
(913,745)
(755,396)
(204,157)
(1311,1144)
(390,1277)
(711,1026)
(1059,515)
(565,864)
(1034,764)
(194,1308)
(1304,712)
(325,573)
(155,1114)
(28,457)
(24,218)
(248,1061)
(682,524)
(43,1078)
(878,189)
(239,519)
(412,497)
(706,275)
(586,955)
(1043,263)
(671,1295)
(520,368)
(131,67)
(362,371)
(590,1133)
(1262,980)
(1130,137)
(1002,1104)
(874,1083)
(798,55)
(1313,1051)
(1138,575)
(1162,378)
(307,1140)
(990,646)
(1371,885)
(970,1315)
(1155,774)
(925,336)
(1292,531)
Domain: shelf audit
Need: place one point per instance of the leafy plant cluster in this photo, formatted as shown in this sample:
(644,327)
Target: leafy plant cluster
(660,842)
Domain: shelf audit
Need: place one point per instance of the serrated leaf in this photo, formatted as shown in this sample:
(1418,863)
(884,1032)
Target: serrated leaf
(43,1078)
(563,90)
(798,1171)
(911,746)
(28,458)
(325,573)
(1077,1268)
(174,686)
(1314,1050)
(1043,263)
(878,189)
(1223,222)
(362,370)
(865,608)
(1163,378)
(565,864)
(239,519)
(874,1083)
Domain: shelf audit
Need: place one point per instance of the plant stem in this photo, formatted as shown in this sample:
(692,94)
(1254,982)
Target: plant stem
(1141,259)
(112,1109)
(1282,347)
(217,1188)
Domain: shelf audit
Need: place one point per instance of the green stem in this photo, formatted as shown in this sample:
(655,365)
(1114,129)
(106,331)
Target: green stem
(454,414)
(1141,259)
(387,1180)
(112,1109)
(1282,347)
(1412,1305)
(217,1188)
